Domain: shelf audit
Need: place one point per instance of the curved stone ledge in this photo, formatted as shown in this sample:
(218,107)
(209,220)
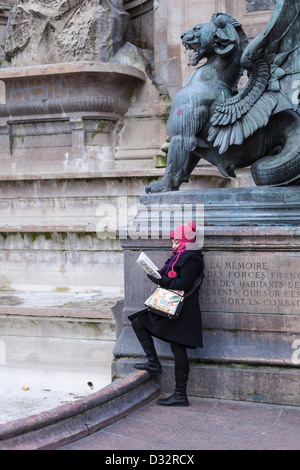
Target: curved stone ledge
(64,424)
(104,104)
(205,172)
(72,67)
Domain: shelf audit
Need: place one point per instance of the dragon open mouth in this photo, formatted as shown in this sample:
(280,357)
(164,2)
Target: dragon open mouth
(192,50)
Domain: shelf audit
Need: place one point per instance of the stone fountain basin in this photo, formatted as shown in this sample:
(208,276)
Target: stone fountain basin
(68,83)
(63,113)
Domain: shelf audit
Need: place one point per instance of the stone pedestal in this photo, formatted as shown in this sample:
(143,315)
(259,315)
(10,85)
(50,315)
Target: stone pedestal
(250,297)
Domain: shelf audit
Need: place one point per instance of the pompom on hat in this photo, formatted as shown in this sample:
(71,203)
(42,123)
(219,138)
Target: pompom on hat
(184,234)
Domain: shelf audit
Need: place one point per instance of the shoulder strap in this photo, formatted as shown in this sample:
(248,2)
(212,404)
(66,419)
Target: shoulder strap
(196,285)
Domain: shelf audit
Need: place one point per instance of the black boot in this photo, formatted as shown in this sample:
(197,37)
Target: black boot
(179,397)
(153,365)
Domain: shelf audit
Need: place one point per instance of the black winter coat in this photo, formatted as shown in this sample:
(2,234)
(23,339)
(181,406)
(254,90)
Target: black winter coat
(187,329)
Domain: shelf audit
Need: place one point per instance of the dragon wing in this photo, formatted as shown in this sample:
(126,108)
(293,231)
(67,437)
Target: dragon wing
(271,60)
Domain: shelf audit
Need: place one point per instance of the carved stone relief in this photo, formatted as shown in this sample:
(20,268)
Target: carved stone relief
(45,32)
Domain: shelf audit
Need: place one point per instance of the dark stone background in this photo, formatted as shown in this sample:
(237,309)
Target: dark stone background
(258,5)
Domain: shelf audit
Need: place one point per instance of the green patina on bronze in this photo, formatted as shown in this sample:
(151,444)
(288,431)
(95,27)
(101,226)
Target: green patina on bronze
(258,126)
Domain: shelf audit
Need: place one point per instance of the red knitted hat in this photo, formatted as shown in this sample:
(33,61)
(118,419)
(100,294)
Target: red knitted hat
(184,234)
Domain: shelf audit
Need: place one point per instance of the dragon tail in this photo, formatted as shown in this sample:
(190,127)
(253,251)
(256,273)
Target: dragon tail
(281,168)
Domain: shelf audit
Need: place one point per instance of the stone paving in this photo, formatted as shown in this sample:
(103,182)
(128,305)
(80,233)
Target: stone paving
(207,424)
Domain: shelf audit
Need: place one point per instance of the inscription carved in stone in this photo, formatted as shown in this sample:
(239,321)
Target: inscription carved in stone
(252,284)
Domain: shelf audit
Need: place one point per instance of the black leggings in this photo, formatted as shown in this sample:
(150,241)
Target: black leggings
(178,350)
(181,357)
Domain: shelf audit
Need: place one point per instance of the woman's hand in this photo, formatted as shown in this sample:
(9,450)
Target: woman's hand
(153,279)
(163,282)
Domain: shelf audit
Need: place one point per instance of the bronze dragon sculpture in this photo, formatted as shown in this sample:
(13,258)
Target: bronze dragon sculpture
(258,126)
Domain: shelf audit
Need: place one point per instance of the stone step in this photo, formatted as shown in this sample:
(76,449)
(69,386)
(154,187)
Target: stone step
(89,305)
(56,329)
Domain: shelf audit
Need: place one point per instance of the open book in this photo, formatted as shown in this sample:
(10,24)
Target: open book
(148,265)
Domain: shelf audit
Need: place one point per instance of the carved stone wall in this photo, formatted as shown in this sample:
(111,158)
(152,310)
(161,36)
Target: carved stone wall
(5,8)
(45,32)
